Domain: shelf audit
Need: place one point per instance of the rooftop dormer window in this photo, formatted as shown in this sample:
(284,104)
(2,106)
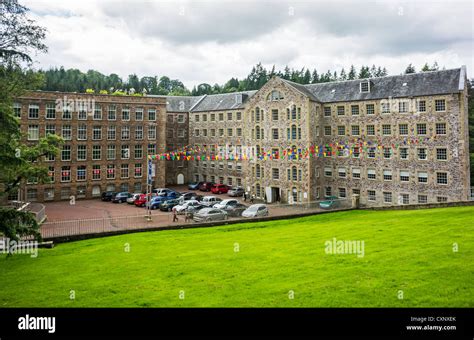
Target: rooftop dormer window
(365,87)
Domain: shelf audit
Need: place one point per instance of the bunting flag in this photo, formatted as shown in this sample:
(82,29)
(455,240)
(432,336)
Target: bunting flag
(235,153)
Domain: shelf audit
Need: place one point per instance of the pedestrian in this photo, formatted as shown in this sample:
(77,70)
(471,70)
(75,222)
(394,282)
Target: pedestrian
(175,216)
(245,196)
(252,196)
(187,216)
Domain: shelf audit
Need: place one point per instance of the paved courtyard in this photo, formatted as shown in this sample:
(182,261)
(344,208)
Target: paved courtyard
(94,216)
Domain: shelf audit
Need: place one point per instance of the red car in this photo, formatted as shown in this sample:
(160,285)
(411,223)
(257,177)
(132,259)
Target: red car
(219,189)
(141,200)
(206,186)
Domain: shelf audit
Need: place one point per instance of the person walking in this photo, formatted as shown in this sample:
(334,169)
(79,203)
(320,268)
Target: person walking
(175,216)
(245,196)
(252,196)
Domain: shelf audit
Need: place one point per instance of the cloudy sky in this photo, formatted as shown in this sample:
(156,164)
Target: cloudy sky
(212,41)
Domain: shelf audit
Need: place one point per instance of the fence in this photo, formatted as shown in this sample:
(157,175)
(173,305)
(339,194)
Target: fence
(61,229)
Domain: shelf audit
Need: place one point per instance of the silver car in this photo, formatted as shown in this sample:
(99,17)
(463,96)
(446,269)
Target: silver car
(210,214)
(187,206)
(225,204)
(256,210)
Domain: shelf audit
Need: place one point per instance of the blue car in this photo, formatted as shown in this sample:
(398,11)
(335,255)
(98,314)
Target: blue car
(157,200)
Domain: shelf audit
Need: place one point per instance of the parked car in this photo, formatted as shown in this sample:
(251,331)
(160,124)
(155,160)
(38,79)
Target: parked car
(236,192)
(121,197)
(331,202)
(209,201)
(236,210)
(194,186)
(108,195)
(256,210)
(219,189)
(133,198)
(169,205)
(165,192)
(225,204)
(187,206)
(209,214)
(156,201)
(186,196)
(206,186)
(141,201)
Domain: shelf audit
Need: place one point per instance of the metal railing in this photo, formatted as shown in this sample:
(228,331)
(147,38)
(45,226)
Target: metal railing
(162,219)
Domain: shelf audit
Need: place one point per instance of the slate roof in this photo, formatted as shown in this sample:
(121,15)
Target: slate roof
(180,103)
(417,84)
(224,101)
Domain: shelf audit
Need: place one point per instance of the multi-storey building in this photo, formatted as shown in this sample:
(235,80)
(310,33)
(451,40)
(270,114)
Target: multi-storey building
(392,140)
(107,139)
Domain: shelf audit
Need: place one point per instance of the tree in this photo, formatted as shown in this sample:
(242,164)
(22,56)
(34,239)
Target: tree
(19,36)
(364,72)
(410,69)
(343,75)
(352,73)
(314,77)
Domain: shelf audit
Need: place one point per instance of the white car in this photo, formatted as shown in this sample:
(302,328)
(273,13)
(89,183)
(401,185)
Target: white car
(187,206)
(256,210)
(209,201)
(132,199)
(225,204)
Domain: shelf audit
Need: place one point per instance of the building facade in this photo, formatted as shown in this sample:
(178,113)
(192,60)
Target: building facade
(107,139)
(392,140)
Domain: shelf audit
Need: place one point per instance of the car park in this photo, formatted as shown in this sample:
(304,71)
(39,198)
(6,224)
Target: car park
(169,205)
(194,186)
(210,214)
(133,198)
(206,186)
(236,192)
(121,197)
(108,195)
(187,206)
(209,201)
(225,204)
(236,210)
(256,210)
(330,202)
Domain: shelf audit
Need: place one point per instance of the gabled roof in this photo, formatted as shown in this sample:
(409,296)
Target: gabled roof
(406,85)
(301,88)
(224,101)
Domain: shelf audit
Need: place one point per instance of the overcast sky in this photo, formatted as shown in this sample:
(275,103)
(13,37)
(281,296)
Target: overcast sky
(212,41)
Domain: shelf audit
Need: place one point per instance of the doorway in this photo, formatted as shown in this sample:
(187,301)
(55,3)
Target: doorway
(180,179)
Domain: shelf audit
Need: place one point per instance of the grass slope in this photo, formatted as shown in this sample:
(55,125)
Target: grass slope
(410,251)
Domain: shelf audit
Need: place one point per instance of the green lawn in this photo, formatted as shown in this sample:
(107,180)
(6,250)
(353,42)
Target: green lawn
(409,251)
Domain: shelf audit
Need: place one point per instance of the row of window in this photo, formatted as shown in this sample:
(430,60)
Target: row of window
(388,197)
(422,153)
(95,172)
(404,129)
(80,192)
(400,106)
(292,113)
(220,116)
(220,179)
(220,132)
(66,132)
(82,150)
(219,166)
(82,114)
(387,175)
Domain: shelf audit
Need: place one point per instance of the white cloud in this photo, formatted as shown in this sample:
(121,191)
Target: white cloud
(214,41)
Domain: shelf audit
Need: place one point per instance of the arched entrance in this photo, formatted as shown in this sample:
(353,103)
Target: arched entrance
(180,179)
